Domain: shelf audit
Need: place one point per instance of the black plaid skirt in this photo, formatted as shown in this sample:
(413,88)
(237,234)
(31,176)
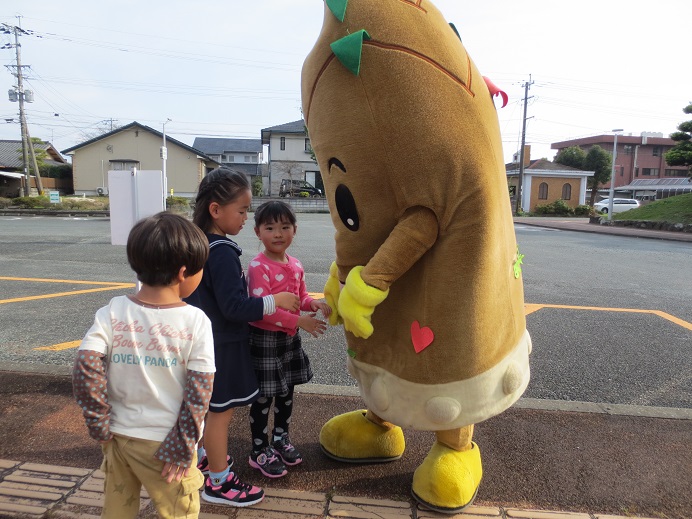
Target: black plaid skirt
(279,361)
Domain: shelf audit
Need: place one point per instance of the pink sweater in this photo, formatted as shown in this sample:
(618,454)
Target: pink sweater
(266,276)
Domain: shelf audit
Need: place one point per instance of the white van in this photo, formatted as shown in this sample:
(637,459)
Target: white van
(619,205)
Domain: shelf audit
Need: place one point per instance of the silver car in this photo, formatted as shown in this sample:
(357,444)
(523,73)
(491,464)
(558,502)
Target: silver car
(619,205)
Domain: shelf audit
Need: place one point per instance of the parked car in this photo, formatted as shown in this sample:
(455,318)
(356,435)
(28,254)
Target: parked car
(291,187)
(619,205)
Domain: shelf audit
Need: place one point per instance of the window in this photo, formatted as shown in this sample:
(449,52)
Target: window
(628,149)
(248,158)
(543,191)
(123,165)
(656,151)
(649,172)
(566,191)
(674,173)
(224,158)
(283,143)
(308,148)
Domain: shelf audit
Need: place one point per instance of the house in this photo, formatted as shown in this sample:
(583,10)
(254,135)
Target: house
(638,158)
(137,145)
(545,182)
(12,168)
(290,156)
(240,154)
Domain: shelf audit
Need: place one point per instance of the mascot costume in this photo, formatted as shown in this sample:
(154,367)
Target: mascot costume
(427,278)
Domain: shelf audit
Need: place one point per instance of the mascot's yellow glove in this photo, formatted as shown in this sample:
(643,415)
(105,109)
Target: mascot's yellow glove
(332,289)
(357,303)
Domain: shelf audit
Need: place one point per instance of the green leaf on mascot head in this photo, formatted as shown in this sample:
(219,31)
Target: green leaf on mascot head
(338,8)
(349,50)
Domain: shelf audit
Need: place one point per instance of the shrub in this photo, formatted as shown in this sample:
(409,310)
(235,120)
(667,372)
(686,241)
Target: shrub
(178,204)
(304,194)
(5,202)
(558,207)
(583,210)
(257,185)
(32,202)
(72,203)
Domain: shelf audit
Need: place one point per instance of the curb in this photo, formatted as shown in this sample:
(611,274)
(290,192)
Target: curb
(569,406)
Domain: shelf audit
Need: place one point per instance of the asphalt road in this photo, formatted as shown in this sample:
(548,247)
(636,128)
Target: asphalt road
(590,302)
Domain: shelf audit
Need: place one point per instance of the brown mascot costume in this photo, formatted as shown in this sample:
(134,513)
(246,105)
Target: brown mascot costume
(427,278)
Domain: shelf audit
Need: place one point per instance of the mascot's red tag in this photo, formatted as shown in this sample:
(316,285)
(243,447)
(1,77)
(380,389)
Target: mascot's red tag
(422,337)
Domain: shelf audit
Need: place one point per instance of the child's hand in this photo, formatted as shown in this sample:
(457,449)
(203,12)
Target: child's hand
(287,301)
(171,471)
(321,305)
(311,325)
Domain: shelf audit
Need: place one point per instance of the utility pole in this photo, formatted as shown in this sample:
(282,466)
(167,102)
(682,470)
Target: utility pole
(523,146)
(21,95)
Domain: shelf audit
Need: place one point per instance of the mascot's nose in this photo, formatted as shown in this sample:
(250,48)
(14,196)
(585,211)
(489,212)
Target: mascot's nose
(346,207)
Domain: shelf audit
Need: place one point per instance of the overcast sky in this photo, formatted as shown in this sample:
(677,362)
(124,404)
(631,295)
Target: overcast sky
(230,68)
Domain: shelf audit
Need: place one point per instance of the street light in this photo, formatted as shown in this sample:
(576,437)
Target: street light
(164,156)
(612,175)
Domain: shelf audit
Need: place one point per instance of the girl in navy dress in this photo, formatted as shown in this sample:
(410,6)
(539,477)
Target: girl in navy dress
(222,204)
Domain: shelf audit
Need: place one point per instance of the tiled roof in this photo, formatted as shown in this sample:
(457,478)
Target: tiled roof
(292,127)
(217,146)
(541,165)
(658,184)
(11,154)
(144,127)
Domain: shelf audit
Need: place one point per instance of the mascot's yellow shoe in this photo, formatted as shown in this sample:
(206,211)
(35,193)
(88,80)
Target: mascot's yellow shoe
(352,438)
(448,480)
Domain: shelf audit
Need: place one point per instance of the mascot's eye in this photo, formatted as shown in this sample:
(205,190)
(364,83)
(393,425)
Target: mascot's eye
(346,207)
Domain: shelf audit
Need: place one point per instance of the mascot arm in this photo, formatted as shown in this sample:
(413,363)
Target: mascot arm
(412,237)
(366,287)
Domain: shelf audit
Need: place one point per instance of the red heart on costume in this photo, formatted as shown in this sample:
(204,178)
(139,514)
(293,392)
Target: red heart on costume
(422,337)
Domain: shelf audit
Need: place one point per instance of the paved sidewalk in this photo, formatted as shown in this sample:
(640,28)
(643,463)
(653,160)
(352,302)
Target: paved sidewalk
(583,225)
(50,491)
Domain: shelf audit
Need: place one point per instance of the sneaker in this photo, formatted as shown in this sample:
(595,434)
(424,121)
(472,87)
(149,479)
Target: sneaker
(288,453)
(267,462)
(232,492)
(203,464)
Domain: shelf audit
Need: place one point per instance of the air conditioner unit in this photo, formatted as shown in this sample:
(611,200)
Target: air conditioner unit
(102,191)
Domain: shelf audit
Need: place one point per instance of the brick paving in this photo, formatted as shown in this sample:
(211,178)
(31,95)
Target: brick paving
(33,490)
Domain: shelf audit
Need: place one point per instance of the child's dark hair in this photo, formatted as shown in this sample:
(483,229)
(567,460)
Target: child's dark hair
(223,186)
(160,244)
(274,211)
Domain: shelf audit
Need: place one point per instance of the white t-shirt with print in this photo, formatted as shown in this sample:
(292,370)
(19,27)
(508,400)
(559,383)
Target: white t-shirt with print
(148,352)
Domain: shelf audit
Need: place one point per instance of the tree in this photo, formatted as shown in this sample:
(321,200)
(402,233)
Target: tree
(40,153)
(600,162)
(681,153)
(573,156)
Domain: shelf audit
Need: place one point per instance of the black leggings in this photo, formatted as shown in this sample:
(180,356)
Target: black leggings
(259,417)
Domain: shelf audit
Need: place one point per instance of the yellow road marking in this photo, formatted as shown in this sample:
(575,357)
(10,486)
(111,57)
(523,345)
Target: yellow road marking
(530,308)
(62,294)
(61,346)
(107,285)
(44,280)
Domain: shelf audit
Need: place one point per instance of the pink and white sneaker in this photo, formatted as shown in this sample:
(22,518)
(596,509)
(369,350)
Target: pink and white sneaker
(232,492)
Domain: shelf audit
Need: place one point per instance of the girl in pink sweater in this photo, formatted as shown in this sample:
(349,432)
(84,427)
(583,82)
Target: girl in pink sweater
(275,345)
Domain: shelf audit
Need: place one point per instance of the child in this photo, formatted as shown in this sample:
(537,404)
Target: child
(279,360)
(221,209)
(144,373)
